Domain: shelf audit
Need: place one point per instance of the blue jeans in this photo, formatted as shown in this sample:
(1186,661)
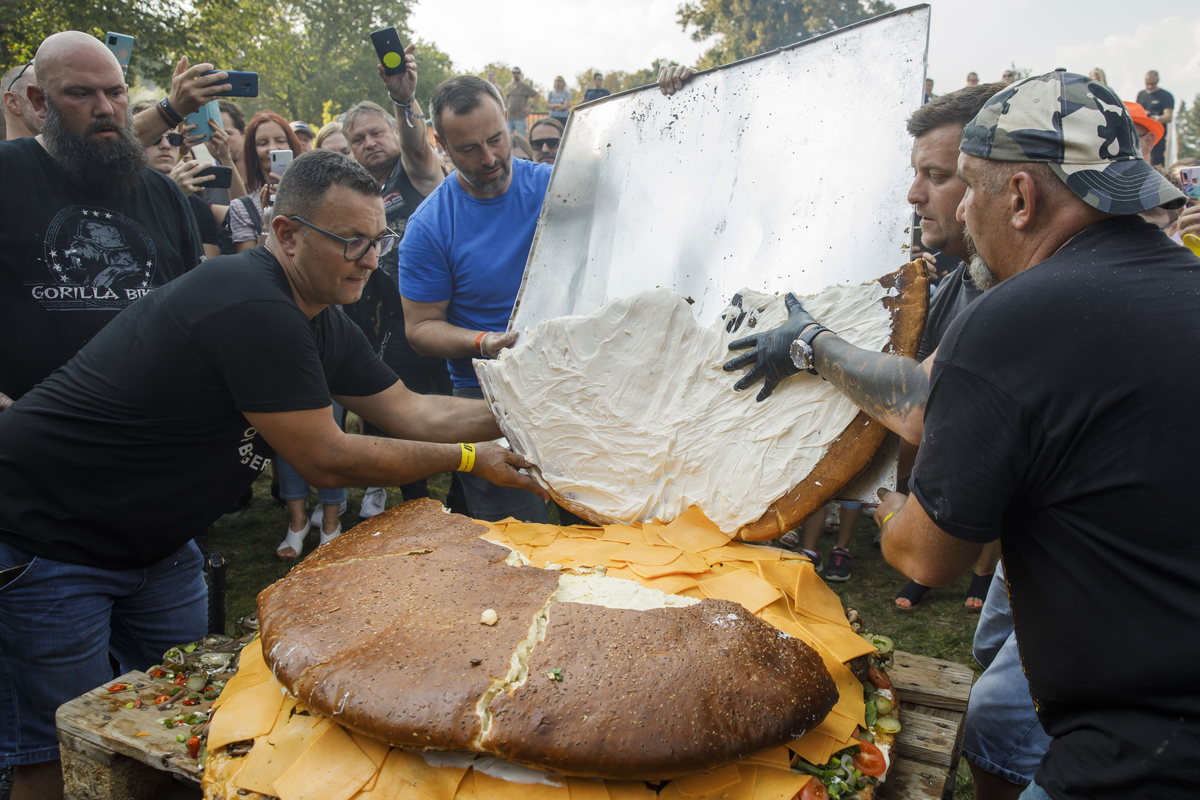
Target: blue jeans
(486,500)
(1034,792)
(1003,734)
(516,126)
(294,487)
(59,622)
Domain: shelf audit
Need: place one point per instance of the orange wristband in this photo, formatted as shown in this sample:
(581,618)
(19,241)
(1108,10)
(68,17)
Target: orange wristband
(479,343)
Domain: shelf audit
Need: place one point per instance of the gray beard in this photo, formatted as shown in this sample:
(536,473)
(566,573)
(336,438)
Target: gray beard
(489,186)
(99,167)
(977,268)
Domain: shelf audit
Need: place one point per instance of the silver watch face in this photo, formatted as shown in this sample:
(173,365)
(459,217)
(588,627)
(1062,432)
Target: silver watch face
(802,354)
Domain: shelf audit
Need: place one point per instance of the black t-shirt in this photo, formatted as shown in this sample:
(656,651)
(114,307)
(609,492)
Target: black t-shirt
(955,292)
(205,221)
(400,200)
(139,442)
(1156,103)
(595,94)
(70,261)
(1061,413)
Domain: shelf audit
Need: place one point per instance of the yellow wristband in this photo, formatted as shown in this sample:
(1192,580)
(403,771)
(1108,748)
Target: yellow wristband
(468,458)
(885,519)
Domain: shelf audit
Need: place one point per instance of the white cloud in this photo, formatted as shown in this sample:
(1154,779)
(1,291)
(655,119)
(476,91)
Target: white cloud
(1171,46)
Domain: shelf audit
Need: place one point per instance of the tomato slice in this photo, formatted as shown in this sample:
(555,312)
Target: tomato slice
(880,680)
(870,760)
(814,790)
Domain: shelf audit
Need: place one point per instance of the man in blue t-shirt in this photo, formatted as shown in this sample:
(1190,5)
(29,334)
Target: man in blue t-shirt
(464,251)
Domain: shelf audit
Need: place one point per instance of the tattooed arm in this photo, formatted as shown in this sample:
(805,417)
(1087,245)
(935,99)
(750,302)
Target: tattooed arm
(892,389)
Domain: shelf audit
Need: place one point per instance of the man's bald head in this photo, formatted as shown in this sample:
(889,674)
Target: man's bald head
(62,56)
(20,120)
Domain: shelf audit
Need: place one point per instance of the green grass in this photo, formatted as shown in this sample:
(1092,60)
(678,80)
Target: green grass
(940,627)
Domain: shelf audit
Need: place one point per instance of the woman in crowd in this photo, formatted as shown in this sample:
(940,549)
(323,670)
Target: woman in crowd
(331,137)
(559,100)
(521,147)
(267,131)
(1097,74)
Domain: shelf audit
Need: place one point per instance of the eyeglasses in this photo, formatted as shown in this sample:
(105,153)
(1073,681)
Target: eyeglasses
(551,143)
(173,139)
(19,74)
(1008,75)
(356,248)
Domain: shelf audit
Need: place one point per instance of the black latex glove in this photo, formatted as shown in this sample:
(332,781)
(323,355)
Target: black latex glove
(771,350)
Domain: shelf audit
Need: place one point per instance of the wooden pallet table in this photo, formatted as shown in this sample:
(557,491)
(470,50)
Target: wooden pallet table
(114,753)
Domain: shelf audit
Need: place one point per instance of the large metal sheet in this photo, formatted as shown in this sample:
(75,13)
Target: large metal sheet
(787,171)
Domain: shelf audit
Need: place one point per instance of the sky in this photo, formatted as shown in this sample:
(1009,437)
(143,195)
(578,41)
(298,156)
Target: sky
(565,37)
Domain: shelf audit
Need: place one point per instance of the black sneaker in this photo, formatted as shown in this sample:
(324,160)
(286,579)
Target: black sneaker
(814,557)
(839,565)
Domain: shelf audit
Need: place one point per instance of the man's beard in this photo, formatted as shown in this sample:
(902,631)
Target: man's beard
(977,268)
(95,166)
(494,185)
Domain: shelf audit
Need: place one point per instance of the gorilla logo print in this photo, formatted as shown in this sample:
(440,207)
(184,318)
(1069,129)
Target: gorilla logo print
(97,259)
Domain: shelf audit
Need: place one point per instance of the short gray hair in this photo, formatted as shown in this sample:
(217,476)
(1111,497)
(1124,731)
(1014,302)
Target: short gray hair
(461,96)
(308,178)
(361,109)
(995,176)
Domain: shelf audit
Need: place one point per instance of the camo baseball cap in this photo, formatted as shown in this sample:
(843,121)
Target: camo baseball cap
(1082,131)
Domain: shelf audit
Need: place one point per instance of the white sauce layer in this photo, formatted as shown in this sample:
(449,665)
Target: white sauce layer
(628,412)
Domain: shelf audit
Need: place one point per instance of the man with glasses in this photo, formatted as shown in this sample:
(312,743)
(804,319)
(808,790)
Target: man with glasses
(160,423)
(545,137)
(19,120)
(94,228)
(520,95)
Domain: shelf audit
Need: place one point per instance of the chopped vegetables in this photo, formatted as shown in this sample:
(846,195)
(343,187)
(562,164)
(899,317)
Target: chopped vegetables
(162,698)
(194,747)
(180,679)
(157,673)
(888,725)
(555,674)
(134,704)
(118,687)
(884,706)
(196,682)
(871,713)
(190,648)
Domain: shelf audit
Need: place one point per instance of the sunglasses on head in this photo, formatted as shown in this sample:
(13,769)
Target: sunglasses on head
(173,139)
(13,82)
(551,143)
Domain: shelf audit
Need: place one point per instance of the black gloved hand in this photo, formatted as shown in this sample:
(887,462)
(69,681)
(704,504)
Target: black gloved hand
(771,350)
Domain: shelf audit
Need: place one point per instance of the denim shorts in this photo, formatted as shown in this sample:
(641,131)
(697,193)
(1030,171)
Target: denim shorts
(486,500)
(1034,792)
(1003,735)
(59,622)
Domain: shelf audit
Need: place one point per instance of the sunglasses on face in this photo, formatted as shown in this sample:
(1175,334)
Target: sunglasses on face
(19,74)
(551,143)
(356,248)
(173,139)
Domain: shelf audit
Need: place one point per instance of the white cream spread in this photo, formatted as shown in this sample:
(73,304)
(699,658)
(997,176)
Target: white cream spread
(597,590)
(628,412)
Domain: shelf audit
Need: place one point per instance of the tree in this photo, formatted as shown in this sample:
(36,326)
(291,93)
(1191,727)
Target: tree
(747,27)
(1187,129)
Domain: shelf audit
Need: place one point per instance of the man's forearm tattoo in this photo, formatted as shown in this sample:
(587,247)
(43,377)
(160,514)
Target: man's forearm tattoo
(884,385)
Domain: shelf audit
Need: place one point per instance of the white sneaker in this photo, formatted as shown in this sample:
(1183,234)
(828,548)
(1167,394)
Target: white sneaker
(318,515)
(326,537)
(374,502)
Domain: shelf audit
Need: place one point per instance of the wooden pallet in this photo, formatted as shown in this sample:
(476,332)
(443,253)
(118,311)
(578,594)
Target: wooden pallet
(113,753)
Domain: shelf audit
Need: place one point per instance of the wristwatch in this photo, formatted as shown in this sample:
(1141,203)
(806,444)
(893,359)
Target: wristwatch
(802,350)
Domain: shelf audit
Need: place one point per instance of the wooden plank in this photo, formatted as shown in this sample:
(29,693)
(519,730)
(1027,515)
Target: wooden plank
(931,681)
(911,780)
(99,720)
(927,738)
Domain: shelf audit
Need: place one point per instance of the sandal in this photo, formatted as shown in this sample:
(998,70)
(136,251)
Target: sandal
(833,522)
(294,542)
(327,537)
(790,540)
(911,596)
(977,594)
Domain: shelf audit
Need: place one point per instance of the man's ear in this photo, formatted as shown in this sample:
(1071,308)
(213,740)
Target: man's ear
(1023,200)
(10,103)
(286,232)
(37,99)
(441,142)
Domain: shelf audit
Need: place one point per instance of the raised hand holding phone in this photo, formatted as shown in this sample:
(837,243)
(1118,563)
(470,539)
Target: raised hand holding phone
(121,45)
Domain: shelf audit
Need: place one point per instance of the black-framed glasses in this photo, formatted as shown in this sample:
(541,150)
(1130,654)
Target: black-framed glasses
(551,143)
(356,248)
(13,82)
(173,139)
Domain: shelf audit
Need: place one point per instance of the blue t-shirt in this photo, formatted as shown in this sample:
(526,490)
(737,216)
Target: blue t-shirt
(472,252)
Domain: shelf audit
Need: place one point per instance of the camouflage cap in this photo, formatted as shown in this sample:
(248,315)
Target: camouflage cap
(1081,130)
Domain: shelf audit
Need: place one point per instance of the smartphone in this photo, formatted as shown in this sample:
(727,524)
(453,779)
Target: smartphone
(200,118)
(121,46)
(224,176)
(245,84)
(390,50)
(279,161)
(916,237)
(1190,178)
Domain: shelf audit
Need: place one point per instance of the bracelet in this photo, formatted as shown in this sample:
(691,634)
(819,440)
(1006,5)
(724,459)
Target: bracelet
(885,519)
(409,116)
(479,343)
(169,114)
(468,458)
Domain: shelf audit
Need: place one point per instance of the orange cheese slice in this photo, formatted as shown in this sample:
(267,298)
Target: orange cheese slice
(736,551)
(625,573)
(275,753)
(708,782)
(466,788)
(252,669)
(671,584)
(743,587)
(489,788)
(623,533)
(837,727)
(628,790)
(686,564)
(594,552)
(814,747)
(780,758)
(646,555)
(373,749)
(560,552)
(693,532)
(253,714)
(587,789)
(413,778)
(850,694)
(780,574)
(778,784)
(532,533)
(814,599)
(332,768)
(650,532)
(841,640)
